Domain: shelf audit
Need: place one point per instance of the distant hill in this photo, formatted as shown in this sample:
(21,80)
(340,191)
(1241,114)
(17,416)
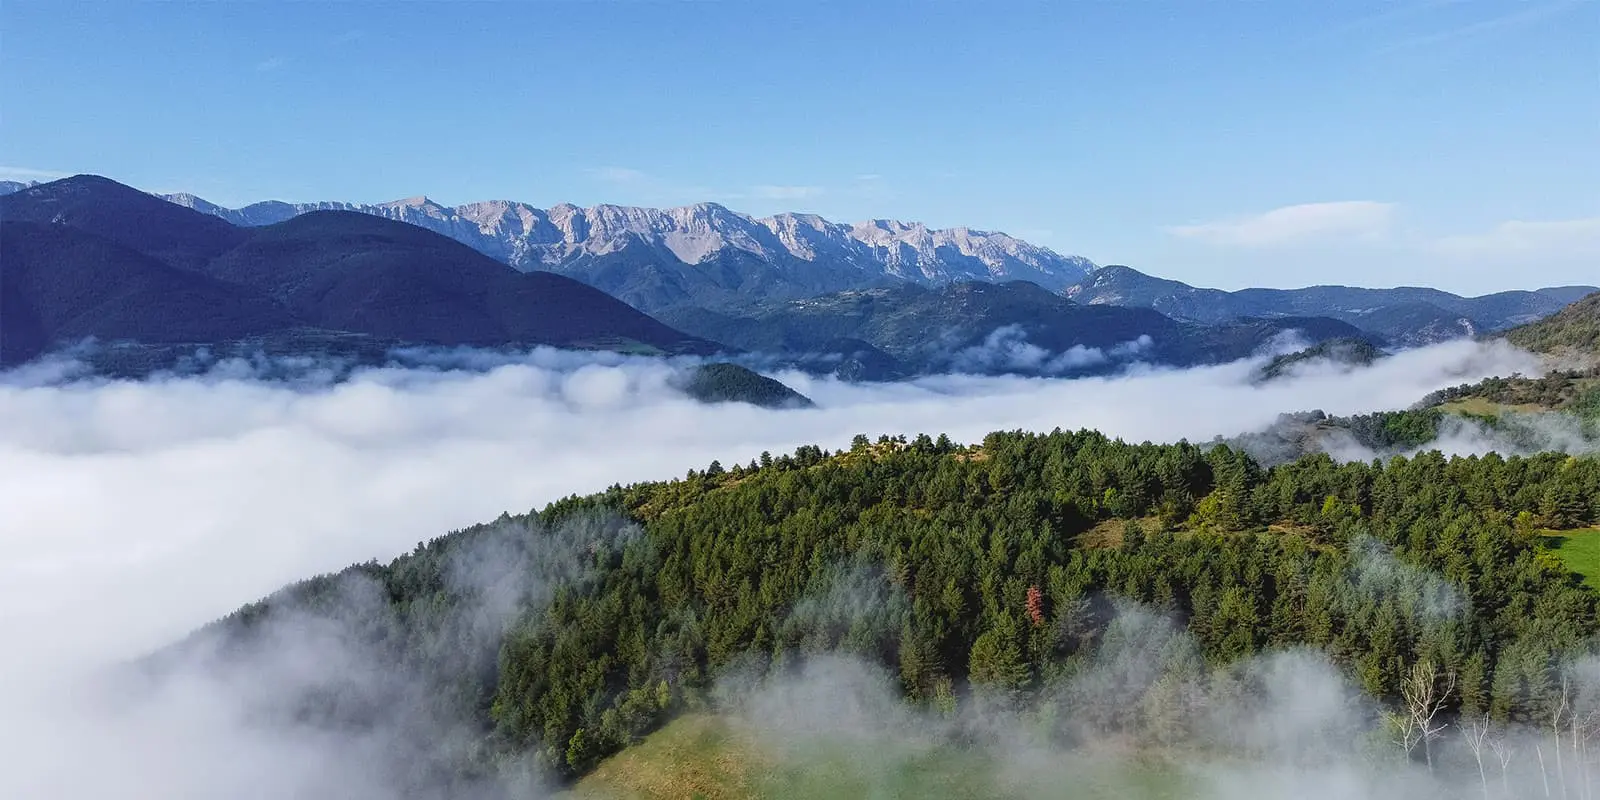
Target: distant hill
(61,284)
(851,360)
(356,272)
(1567,294)
(731,383)
(126,216)
(1402,316)
(987,327)
(1574,329)
(1341,352)
(87,256)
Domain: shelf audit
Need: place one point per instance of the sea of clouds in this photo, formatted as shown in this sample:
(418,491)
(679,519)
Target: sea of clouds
(136,511)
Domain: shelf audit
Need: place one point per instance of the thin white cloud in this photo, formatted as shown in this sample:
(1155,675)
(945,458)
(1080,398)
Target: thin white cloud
(271,64)
(1366,220)
(612,174)
(26,174)
(1483,29)
(1520,239)
(1387,17)
(774,192)
(648,188)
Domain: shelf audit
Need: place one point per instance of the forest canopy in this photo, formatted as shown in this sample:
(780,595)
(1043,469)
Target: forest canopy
(973,573)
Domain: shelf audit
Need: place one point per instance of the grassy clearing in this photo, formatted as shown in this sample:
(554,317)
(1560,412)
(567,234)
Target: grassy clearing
(694,756)
(1484,407)
(1579,549)
(1285,528)
(1108,532)
(710,758)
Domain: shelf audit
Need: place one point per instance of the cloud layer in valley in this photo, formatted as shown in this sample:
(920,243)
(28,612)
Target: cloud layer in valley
(137,511)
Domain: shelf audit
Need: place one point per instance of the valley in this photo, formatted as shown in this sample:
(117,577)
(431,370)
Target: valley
(748,401)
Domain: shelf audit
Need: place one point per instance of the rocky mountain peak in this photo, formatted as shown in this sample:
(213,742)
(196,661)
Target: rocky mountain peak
(802,252)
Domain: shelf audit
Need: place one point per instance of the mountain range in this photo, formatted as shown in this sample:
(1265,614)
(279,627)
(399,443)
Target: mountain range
(89,257)
(704,254)
(708,256)
(1404,316)
(86,256)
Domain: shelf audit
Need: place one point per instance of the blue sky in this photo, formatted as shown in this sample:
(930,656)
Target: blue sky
(1225,143)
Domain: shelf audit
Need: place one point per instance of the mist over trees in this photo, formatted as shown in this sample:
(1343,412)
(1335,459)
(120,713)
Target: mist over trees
(1034,597)
(996,576)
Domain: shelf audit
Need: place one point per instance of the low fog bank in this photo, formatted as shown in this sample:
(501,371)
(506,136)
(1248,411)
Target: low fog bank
(1518,434)
(133,489)
(1007,349)
(1513,434)
(138,511)
(325,689)
(1293,435)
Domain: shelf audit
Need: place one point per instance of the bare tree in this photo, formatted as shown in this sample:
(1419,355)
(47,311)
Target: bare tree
(1583,727)
(1503,752)
(1558,712)
(1404,728)
(1425,692)
(1475,732)
(1538,750)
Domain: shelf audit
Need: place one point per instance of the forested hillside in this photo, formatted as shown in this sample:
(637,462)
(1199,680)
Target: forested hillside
(1345,353)
(990,572)
(1575,328)
(981,327)
(721,382)
(1404,316)
(1575,391)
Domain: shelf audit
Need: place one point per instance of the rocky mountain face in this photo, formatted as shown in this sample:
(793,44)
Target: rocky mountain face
(704,254)
(1402,316)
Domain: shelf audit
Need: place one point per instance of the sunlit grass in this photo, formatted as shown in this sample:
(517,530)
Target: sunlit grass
(1579,550)
(707,756)
(1484,407)
(694,756)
